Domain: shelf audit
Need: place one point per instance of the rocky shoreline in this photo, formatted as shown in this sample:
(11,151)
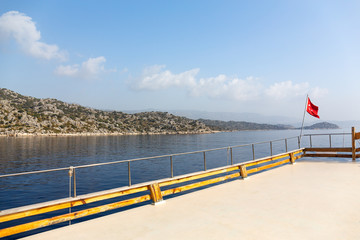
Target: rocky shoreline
(101,134)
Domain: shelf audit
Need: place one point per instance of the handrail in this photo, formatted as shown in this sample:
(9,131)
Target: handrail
(34,172)
(326,134)
(140,187)
(168,155)
(152,192)
(333,151)
(142,158)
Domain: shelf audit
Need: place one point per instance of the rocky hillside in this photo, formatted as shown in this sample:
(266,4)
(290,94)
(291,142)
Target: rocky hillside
(241,125)
(28,115)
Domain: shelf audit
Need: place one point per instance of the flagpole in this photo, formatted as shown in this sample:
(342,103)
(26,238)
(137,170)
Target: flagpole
(302,125)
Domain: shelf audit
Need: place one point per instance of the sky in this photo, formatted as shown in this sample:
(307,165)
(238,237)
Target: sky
(218,56)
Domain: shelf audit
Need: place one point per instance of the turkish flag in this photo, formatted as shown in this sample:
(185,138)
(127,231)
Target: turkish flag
(312,109)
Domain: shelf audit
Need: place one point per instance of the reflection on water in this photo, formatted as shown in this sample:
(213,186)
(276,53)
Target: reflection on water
(37,153)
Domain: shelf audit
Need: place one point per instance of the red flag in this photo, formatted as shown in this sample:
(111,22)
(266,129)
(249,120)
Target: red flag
(312,109)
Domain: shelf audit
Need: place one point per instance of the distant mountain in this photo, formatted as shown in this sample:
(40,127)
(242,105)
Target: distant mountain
(322,125)
(230,116)
(241,125)
(28,115)
(252,118)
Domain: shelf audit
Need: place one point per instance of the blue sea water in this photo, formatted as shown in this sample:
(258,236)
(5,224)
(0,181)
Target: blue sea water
(39,153)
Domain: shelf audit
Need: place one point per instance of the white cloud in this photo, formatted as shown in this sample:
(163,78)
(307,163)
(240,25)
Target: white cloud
(69,70)
(90,69)
(227,88)
(21,27)
(318,92)
(222,87)
(155,78)
(285,89)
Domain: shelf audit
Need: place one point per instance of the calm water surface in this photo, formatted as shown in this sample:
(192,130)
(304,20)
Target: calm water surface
(38,153)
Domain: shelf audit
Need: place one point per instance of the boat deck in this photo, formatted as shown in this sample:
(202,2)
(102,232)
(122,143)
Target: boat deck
(307,200)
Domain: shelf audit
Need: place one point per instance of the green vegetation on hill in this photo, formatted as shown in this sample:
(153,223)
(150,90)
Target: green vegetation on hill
(28,115)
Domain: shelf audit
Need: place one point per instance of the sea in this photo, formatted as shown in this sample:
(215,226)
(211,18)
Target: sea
(26,154)
(151,157)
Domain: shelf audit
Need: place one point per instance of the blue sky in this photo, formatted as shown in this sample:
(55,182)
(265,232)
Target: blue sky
(217,56)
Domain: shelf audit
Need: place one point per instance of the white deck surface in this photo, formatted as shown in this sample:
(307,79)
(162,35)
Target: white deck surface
(308,200)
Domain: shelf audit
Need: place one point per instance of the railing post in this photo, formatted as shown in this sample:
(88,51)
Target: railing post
(74,182)
(271,148)
(204,162)
(253,151)
(330,140)
(129,173)
(292,159)
(243,172)
(171,166)
(155,193)
(298,141)
(353,145)
(231,156)
(286,148)
(310,141)
(71,172)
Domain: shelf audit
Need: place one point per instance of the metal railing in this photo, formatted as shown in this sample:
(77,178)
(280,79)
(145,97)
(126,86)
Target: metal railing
(257,164)
(72,169)
(154,191)
(330,137)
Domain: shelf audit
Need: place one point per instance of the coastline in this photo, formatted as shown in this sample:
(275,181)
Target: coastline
(103,134)
(126,134)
